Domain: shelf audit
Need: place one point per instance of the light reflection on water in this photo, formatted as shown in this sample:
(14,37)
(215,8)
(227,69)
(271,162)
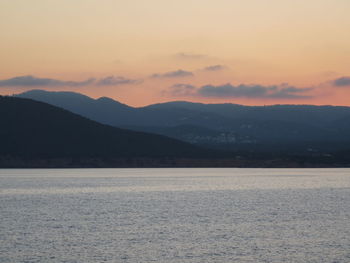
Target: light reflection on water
(175,215)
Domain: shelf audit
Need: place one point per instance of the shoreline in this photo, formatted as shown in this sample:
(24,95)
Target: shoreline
(64,163)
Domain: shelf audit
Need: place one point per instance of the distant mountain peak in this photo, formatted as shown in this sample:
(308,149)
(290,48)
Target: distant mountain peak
(110,100)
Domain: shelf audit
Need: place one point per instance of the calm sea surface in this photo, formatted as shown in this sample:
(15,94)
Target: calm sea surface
(175,215)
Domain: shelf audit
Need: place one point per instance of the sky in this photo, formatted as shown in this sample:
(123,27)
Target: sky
(139,52)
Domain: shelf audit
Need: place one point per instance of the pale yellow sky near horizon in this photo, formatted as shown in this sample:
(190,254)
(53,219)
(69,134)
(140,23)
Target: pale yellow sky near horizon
(262,42)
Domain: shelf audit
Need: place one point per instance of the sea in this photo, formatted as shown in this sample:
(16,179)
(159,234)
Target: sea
(175,215)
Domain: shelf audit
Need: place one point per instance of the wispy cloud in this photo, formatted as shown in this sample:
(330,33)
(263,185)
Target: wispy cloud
(173,74)
(342,82)
(184,55)
(181,90)
(283,91)
(115,81)
(32,81)
(215,68)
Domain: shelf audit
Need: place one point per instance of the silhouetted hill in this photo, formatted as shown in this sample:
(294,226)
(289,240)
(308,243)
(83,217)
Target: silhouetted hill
(111,112)
(34,129)
(226,126)
(302,114)
(36,134)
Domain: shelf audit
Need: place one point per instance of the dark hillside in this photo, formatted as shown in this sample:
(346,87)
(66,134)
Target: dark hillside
(35,129)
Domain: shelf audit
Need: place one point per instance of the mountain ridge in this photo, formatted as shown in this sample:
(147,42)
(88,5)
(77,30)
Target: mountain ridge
(243,126)
(31,128)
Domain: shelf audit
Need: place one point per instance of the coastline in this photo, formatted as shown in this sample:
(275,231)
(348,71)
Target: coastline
(169,163)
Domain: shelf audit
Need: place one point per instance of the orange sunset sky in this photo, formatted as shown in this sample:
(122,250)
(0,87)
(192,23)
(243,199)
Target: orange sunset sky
(139,52)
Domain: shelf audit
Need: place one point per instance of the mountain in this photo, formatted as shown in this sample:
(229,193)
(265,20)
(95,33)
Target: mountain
(36,134)
(98,110)
(226,126)
(32,129)
(114,113)
(309,114)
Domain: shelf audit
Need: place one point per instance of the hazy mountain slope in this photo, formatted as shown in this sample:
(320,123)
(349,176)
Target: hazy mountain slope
(111,112)
(216,116)
(35,129)
(228,123)
(310,114)
(102,110)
